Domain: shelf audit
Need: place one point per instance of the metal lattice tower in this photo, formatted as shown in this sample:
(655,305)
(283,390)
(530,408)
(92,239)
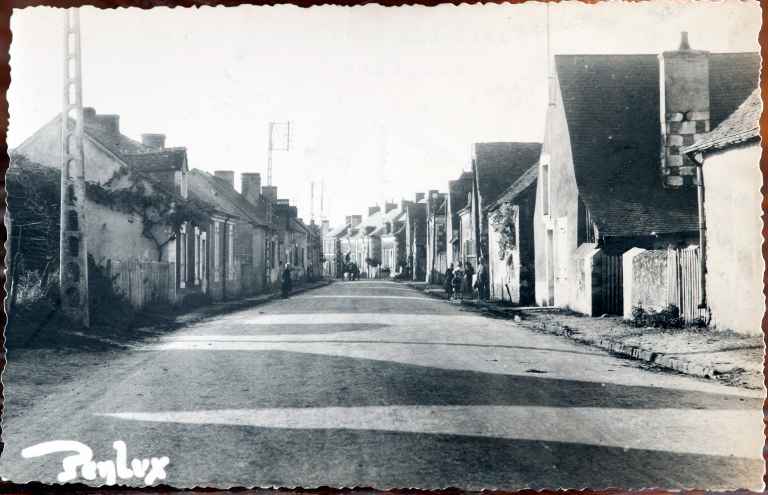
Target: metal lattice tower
(73,252)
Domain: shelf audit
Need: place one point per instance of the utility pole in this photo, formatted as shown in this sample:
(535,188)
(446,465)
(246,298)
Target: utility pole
(312,201)
(73,252)
(282,144)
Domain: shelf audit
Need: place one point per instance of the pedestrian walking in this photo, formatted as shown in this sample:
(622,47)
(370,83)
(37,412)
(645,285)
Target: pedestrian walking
(287,284)
(481,283)
(469,274)
(458,281)
(448,282)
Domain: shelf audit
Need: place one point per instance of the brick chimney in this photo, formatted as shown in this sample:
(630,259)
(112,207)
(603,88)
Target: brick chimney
(110,124)
(373,210)
(684,99)
(354,220)
(154,141)
(227,175)
(389,206)
(419,196)
(269,193)
(250,186)
(89,115)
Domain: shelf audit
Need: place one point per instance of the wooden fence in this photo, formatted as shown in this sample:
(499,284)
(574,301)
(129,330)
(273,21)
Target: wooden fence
(144,282)
(607,285)
(683,282)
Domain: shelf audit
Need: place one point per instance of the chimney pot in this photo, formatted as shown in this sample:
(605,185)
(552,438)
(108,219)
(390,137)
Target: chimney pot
(227,175)
(419,196)
(684,45)
(269,193)
(89,114)
(154,141)
(110,124)
(389,206)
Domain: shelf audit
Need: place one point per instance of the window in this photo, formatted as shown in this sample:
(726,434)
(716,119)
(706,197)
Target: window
(231,251)
(545,184)
(183,256)
(198,264)
(216,251)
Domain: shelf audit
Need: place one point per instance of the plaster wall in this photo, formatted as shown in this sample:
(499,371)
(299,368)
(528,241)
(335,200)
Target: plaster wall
(735,265)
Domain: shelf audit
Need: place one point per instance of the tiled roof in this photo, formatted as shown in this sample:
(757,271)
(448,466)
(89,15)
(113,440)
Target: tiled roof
(521,184)
(611,105)
(742,125)
(165,159)
(500,164)
(215,191)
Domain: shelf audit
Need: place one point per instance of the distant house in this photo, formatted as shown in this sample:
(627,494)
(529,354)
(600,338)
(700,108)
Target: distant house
(123,233)
(393,241)
(332,251)
(458,194)
(730,158)
(436,245)
(511,259)
(495,166)
(416,238)
(346,244)
(612,176)
(233,242)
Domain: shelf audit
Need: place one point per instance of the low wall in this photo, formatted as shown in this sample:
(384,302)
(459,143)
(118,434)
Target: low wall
(645,280)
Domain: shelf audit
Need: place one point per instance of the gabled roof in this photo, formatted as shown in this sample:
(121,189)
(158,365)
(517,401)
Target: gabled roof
(337,231)
(742,125)
(500,164)
(611,105)
(223,197)
(522,184)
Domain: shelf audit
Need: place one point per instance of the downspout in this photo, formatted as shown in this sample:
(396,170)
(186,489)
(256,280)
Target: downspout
(698,159)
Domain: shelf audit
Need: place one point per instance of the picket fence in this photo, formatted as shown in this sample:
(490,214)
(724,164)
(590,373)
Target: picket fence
(683,282)
(144,283)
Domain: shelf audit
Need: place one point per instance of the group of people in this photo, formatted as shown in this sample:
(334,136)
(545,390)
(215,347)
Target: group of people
(461,282)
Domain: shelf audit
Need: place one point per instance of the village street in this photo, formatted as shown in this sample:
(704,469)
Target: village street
(372,383)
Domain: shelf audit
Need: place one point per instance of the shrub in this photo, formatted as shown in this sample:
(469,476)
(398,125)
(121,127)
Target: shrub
(668,317)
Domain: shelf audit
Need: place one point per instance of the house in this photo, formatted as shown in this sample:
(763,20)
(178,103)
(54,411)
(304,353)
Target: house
(458,194)
(436,245)
(234,240)
(346,245)
(136,201)
(416,237)
(366,243)
(332,251)
(511,259)
(495,166)
(314,251)
(611,175)
(393,241)
(730,204)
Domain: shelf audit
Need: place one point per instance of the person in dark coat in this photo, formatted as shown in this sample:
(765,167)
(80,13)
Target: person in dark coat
(469,273)
(287,284)
(448,282)
(458,280)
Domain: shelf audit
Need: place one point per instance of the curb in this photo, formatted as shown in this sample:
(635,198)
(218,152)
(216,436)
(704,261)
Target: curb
(659,359)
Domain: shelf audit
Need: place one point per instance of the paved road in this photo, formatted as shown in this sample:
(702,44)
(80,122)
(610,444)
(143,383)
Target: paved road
(375,384)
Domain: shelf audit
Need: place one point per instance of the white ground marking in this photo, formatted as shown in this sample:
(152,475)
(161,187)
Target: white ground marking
(687,431)
(350,296)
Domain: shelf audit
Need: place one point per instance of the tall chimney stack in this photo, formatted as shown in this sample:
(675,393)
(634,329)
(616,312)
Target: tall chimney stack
(684,99)
(154,141)
(250,186)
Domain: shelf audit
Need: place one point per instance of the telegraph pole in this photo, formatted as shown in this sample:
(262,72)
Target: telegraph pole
(312,201)
(73,252)
(282,145)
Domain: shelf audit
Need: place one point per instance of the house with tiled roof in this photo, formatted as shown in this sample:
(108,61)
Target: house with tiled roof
(730,204)
(612,175)
(458,194)
(393,248)
(511,255)
(233,241)
(120,235)
(332,253)
(416,238)
(495,166)
(437,248)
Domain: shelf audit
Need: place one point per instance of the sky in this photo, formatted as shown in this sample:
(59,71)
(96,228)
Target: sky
(383,102)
